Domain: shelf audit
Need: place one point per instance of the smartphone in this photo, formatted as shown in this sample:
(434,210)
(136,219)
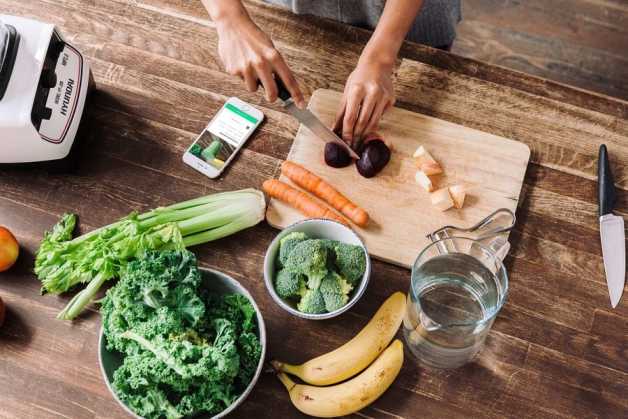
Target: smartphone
(223,137)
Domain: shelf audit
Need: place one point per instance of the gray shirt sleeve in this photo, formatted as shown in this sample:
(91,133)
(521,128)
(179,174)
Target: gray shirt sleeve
(435,25)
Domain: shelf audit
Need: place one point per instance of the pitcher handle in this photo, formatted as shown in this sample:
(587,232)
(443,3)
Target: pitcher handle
(500,246)
(492,231)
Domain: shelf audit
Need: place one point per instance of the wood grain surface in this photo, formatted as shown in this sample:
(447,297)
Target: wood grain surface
(491,168)
(557,349)
(577,42)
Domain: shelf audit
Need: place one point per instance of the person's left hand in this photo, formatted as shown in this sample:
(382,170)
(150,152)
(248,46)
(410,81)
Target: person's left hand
(368,94)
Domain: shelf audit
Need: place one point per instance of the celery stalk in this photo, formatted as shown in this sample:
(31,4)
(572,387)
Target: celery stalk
(101,254)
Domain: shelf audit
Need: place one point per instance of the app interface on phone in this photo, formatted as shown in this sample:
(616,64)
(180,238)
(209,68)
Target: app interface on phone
(223,136)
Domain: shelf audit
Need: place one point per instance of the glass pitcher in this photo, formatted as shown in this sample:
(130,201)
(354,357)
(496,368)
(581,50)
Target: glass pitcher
(458,286)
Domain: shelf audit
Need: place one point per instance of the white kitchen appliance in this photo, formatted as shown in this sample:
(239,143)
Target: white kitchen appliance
(44,84)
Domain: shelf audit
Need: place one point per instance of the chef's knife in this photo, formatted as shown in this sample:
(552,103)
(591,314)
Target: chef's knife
(611,231)
(310,120)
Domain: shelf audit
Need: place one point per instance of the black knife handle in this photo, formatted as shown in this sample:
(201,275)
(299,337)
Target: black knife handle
(282,90)
(606,183)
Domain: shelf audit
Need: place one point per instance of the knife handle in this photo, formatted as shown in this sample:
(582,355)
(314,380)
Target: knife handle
(606,183)
(282,90)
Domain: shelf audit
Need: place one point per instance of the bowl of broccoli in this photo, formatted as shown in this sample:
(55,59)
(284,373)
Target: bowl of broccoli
(178,340)
(317,269)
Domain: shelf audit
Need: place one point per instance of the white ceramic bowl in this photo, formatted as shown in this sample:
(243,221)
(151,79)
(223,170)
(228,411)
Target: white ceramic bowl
(218,283)
(317,229)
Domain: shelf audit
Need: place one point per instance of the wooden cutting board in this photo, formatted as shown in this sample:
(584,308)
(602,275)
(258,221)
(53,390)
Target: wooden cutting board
(492,167)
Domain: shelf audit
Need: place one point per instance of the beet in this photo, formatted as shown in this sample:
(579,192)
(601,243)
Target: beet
(374,156)
(336,156)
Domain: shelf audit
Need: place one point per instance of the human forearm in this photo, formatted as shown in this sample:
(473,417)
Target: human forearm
(391,31)
(221,10)
(247,52)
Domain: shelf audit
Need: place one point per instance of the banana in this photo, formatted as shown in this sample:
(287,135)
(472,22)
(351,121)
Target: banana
(358,353)
(350,396)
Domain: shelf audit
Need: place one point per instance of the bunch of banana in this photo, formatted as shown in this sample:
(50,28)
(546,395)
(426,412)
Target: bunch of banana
(369,348)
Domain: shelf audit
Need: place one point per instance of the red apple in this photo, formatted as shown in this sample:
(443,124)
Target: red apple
(9,249)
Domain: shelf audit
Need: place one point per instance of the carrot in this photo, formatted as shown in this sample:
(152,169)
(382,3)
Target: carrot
(300,201)
(323,190)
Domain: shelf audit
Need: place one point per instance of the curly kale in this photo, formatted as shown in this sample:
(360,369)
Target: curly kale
(186,350)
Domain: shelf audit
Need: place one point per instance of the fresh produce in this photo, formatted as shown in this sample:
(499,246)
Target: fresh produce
(9,249)
(358,353)
(458,194)
(424,181)
(441,199)
(426,163)
(335,291)
(374,156)
(186,351)
(308,181)
(300,201)
(336,156)
(312,302)
(317,274)
(373,151)
(102,254)
(3,311)
(350,396)
(444,198)
(287,243)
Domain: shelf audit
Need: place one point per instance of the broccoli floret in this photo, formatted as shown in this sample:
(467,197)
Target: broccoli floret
(287,243)
(351,262)
(312,302)
(309,258)
(289,284)
(335,290)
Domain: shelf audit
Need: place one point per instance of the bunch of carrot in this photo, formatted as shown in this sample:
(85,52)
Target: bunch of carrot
(316,186)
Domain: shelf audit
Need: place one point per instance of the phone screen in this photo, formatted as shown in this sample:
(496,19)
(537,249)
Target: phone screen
(223,136)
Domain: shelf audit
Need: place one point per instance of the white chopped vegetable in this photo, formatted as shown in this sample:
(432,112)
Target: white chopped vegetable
(425,182)
(426,163)
(458,194)
(441,199)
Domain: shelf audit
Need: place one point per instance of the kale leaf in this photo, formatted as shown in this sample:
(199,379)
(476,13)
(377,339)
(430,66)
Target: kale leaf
(186,350)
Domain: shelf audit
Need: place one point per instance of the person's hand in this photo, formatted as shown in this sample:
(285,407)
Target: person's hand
(368,94)
(249,53)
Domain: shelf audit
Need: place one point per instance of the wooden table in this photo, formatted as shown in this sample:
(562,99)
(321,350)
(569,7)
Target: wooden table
(556,349)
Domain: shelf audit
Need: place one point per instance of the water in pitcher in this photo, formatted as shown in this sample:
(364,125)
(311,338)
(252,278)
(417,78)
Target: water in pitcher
(451,306)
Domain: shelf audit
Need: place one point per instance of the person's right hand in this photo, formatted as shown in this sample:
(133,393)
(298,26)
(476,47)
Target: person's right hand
(249,53)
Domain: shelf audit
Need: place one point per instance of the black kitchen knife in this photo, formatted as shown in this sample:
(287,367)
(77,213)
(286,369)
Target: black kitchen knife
(611,231)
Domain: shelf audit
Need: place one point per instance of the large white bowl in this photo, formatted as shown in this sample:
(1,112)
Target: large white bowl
(317,229)
(218,283)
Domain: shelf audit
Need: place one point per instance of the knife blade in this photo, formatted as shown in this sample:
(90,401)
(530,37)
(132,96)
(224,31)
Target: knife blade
(611,231)
(307,118)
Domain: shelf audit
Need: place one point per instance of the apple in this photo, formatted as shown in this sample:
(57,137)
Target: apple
(9,249)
